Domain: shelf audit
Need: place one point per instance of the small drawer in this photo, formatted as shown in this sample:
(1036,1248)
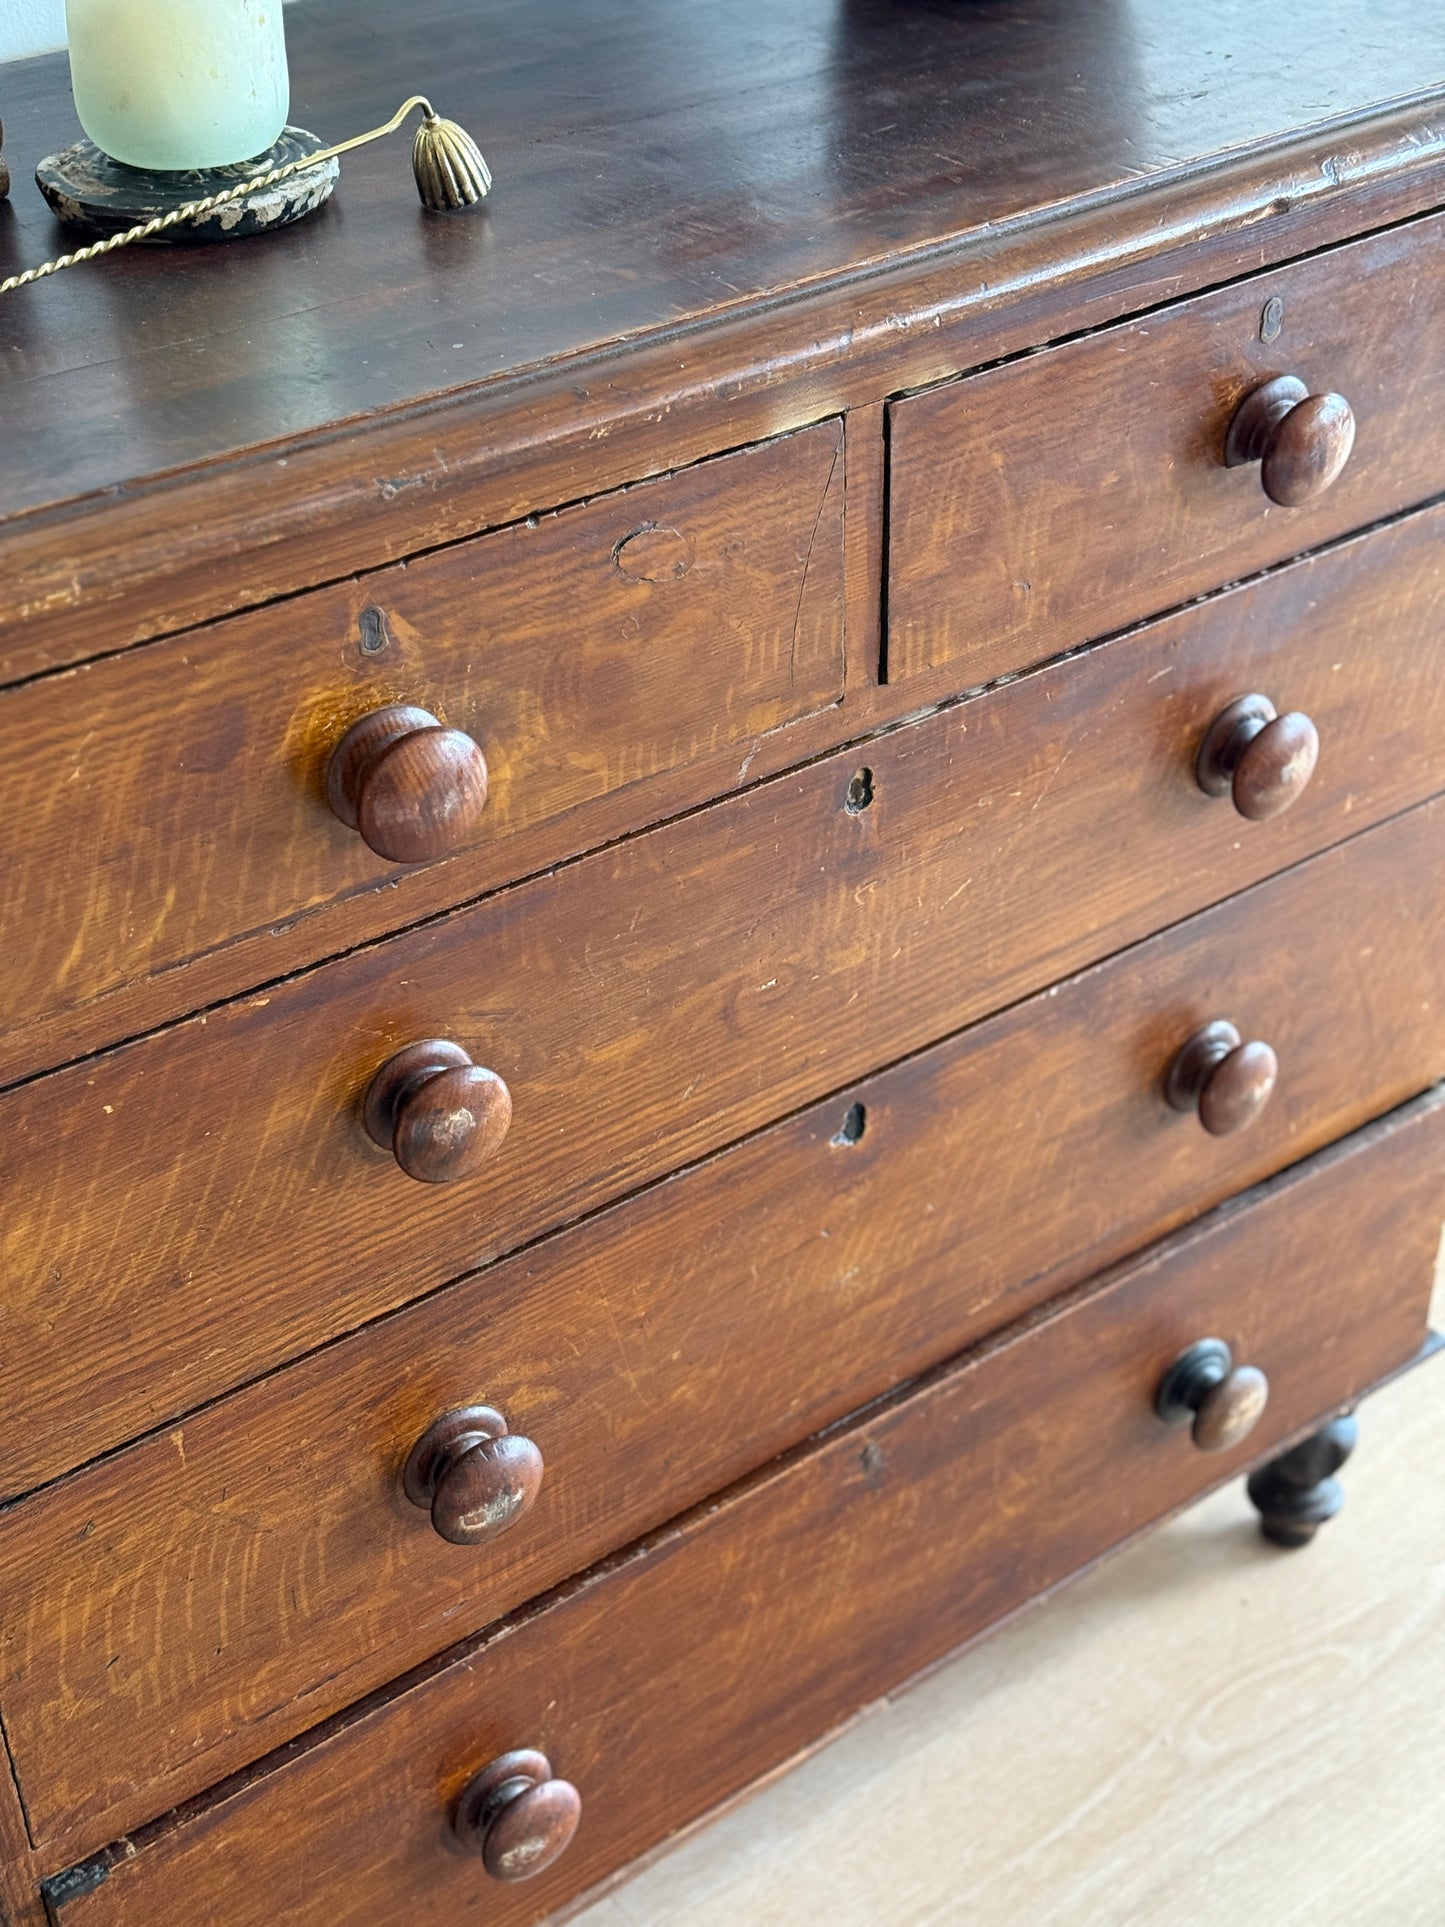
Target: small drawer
(261,1562)
(1070,493)
(663,1685)
(175,798)
(200,1206)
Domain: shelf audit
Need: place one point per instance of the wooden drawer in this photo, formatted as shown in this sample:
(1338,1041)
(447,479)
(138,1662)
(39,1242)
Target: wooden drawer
(266,1567)
(198,1207)
(664,1684)
(1069,493)
(174,798)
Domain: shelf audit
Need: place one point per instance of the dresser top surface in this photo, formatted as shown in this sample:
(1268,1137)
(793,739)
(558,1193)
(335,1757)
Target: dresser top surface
(658,163)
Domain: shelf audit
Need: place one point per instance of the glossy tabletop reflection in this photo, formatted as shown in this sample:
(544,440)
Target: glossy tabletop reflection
(657,162)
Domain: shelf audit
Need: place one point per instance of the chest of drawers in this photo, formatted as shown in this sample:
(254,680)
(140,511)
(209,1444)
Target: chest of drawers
(722,917)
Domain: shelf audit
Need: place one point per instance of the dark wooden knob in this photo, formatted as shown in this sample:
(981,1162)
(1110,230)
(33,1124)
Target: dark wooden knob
(1223,1401)
(441,1115)
(1261,759)
(414,790)
(516,1816)
(1226,1081)
(1301,441)
(474,1476)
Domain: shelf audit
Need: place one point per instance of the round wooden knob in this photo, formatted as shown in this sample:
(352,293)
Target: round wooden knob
(516,1816)
(474,1476)
(414,790)
(1261,759)
(1226,1081)
(1301,441)
(441,1115)
(1223,1401)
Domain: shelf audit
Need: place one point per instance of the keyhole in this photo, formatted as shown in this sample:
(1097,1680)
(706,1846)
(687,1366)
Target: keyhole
(373,630)
(860,792)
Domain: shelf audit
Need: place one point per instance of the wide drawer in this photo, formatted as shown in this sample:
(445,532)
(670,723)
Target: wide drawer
(174,799)
(260,1566)
(1064,495)
(664,1684)
(198,1207)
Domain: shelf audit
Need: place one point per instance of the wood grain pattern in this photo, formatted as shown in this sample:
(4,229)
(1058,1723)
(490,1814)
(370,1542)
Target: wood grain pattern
(528,356)
(1390,590)
(1151,1744)
(440,1115)
(1144,513)
(413,790)
(20,1901)
(816,1266)
(706,1243)
(170,1228)
(173,803)
(826,1581)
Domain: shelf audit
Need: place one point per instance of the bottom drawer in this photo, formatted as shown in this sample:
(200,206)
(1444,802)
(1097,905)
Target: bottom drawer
(710,1654)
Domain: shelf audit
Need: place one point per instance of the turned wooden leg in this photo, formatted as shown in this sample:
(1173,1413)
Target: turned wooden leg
(1295,1493)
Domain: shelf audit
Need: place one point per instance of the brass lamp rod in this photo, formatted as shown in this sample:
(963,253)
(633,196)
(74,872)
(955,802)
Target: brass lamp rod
(450,172)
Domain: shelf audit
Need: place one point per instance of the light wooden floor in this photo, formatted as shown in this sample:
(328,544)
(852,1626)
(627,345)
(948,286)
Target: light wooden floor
(1206,1732)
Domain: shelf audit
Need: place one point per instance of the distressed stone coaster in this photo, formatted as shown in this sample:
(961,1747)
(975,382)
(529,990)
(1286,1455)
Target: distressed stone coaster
(88,190)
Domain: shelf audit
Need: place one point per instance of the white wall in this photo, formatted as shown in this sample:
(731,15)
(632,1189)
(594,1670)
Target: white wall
(30,27)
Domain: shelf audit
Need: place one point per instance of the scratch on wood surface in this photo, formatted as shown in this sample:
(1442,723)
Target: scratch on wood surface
(808,558)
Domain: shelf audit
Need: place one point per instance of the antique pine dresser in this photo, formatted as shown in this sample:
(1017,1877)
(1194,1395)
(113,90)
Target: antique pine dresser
(723,921)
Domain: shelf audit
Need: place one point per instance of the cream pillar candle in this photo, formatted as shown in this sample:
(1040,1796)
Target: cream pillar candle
(171,84)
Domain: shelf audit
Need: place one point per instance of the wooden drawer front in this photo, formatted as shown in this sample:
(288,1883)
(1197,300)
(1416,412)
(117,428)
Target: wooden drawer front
(815,1271)
(1061,496)
(198,1207)
(174,799)
(664,1685)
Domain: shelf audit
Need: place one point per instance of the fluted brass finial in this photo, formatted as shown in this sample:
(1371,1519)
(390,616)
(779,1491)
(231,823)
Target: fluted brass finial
(448,165)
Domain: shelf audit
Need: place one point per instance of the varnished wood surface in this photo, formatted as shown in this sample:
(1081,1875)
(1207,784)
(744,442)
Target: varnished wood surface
(1203,1729)
(1001,554)
(824,1582)
(441,1116)
(174,803)
(1300,442)
(171,1226)
(1260,760)
(412,789)
(1391,588)
(517,1815)
(654,162)
(816,1266)
(657,165)
(20,1903)
(202,1207)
